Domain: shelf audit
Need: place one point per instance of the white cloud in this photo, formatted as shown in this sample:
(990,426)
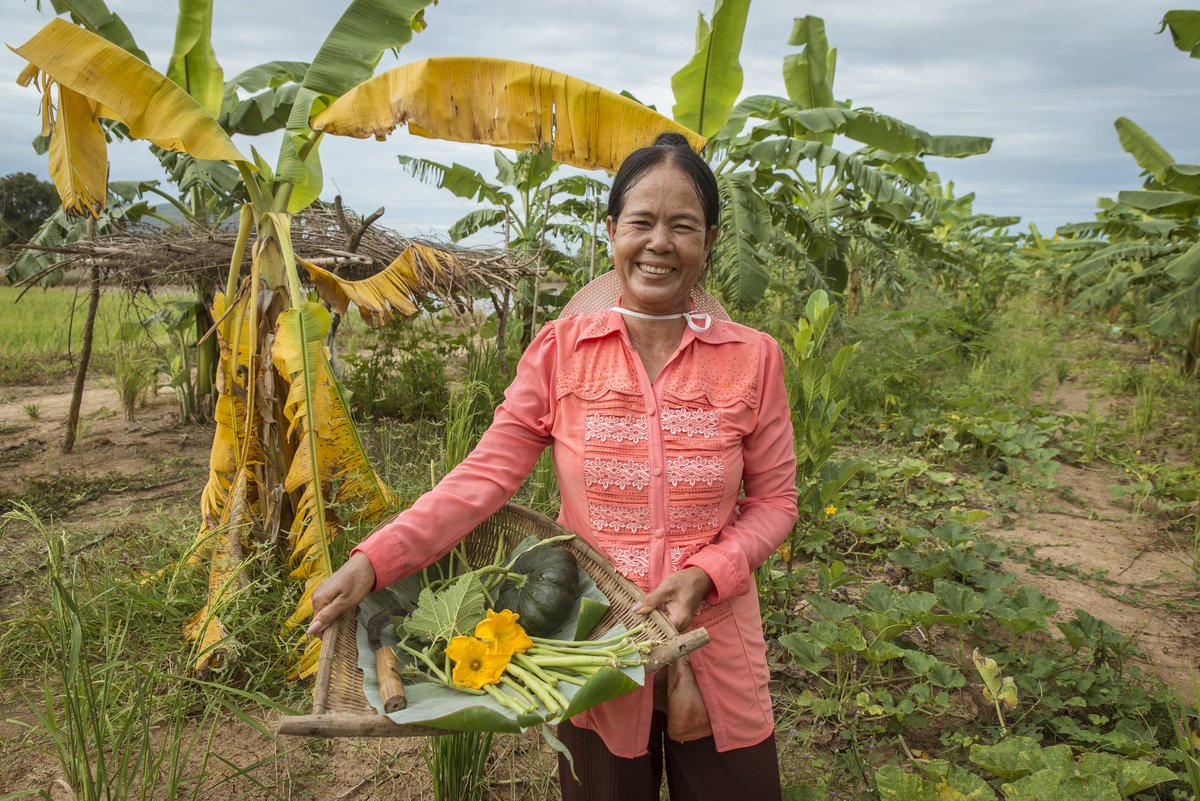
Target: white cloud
(1046,79)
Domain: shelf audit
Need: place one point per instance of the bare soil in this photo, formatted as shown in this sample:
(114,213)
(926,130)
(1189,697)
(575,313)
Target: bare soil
(1126,566)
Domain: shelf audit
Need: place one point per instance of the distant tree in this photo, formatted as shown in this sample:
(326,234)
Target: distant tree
(25,203)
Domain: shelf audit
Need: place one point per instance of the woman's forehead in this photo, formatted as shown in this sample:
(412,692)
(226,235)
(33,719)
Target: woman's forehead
(664,182)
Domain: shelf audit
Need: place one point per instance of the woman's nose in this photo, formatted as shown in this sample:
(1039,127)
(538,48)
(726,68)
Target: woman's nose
(660,238)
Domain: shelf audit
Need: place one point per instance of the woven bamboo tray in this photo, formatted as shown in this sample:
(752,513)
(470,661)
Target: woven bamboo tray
(341,710)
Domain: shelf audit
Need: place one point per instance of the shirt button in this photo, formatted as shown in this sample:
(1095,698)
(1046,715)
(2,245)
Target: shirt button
(658,471)
(651,411)
(658,532)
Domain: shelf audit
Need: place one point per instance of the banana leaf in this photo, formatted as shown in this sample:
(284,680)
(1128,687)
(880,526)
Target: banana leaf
(433,704)
(508,104)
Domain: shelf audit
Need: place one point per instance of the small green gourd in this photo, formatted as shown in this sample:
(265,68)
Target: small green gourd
(546,598)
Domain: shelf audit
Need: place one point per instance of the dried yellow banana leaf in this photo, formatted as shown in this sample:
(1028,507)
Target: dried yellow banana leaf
(391,290)
(126,89)
(78,154)
(504,103)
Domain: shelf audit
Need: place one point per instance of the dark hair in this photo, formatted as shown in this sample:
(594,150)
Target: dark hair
(669,147)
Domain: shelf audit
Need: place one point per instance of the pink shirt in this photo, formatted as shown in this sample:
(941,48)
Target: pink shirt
(694,469)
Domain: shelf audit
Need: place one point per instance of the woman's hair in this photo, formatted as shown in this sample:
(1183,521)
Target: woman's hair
(671,148)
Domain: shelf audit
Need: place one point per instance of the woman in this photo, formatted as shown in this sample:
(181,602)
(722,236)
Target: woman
(673,448)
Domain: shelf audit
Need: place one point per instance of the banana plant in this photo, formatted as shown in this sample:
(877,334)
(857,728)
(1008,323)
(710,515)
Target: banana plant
(1145,245)
(794,197)
(1141,250)
(538,215)
(285,450)
(205,192)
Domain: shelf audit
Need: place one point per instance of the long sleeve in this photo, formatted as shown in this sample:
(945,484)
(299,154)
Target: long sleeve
(481,483)
(767,511)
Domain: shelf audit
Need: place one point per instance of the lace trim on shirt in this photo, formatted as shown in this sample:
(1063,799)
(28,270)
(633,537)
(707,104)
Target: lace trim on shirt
(616,473)
(682,553)
(626,428)
(611,517)
(695,470)
(691,422)
(631,561)
(684,519)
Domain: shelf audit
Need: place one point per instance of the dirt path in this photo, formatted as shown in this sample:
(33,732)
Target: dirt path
(1094,553)
(33,418)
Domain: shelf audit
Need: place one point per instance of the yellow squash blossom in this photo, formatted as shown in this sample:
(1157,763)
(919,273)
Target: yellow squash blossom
(476,663)
(501,629)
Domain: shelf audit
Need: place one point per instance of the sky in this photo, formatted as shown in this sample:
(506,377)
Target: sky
(1044,78)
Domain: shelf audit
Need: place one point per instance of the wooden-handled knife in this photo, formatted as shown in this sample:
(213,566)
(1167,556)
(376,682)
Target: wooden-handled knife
(391,690)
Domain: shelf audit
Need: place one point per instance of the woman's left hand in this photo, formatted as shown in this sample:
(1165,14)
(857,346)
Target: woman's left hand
(678,596)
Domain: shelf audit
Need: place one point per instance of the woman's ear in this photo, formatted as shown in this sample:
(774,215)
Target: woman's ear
(710,239)
(610,225)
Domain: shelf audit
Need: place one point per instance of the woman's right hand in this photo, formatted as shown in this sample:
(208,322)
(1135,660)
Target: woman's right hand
(344,590)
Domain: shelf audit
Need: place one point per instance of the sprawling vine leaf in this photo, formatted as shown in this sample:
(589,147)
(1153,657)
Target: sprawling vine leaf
(449,612)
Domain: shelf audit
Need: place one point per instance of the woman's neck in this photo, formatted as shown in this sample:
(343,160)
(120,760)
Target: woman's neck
(654,341)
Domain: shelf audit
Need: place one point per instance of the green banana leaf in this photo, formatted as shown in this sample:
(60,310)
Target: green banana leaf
(193,63)
(1185,30)
(808,74)
(433,704)
(1146,151)
(347,57)
(708,85)
(740,259)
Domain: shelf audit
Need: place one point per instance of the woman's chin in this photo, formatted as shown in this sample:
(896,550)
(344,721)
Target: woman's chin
(654,298)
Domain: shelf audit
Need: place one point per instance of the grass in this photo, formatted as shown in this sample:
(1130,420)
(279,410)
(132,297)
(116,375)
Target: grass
(42,333)
(120,711)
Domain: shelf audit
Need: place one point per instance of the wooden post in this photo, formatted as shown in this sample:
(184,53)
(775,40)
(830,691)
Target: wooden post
(595,231)
(85,353)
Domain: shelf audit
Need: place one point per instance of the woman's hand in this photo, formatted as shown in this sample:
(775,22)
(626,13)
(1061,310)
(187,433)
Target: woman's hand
(348,585)
(678,596)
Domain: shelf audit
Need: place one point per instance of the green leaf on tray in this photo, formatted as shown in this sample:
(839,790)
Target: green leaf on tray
(455,610)
(591,611)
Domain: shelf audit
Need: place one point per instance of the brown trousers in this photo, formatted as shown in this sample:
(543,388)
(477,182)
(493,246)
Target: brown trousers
(695,770)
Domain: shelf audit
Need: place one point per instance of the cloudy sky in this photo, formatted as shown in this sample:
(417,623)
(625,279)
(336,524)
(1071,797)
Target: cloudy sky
(1045,78)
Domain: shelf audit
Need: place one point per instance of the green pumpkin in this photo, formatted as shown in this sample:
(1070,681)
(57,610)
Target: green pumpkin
(548,597)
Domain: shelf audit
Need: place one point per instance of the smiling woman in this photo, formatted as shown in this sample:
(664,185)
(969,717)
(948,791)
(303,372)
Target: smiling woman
(673,448)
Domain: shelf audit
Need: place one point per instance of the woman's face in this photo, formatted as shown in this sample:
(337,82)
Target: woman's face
(660,242)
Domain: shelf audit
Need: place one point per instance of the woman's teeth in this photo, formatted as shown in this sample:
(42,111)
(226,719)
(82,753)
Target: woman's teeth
(646,268)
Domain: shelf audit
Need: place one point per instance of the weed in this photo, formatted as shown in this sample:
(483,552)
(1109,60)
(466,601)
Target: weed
(32,410)
(1143,414)
(134,373)
(403,375)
